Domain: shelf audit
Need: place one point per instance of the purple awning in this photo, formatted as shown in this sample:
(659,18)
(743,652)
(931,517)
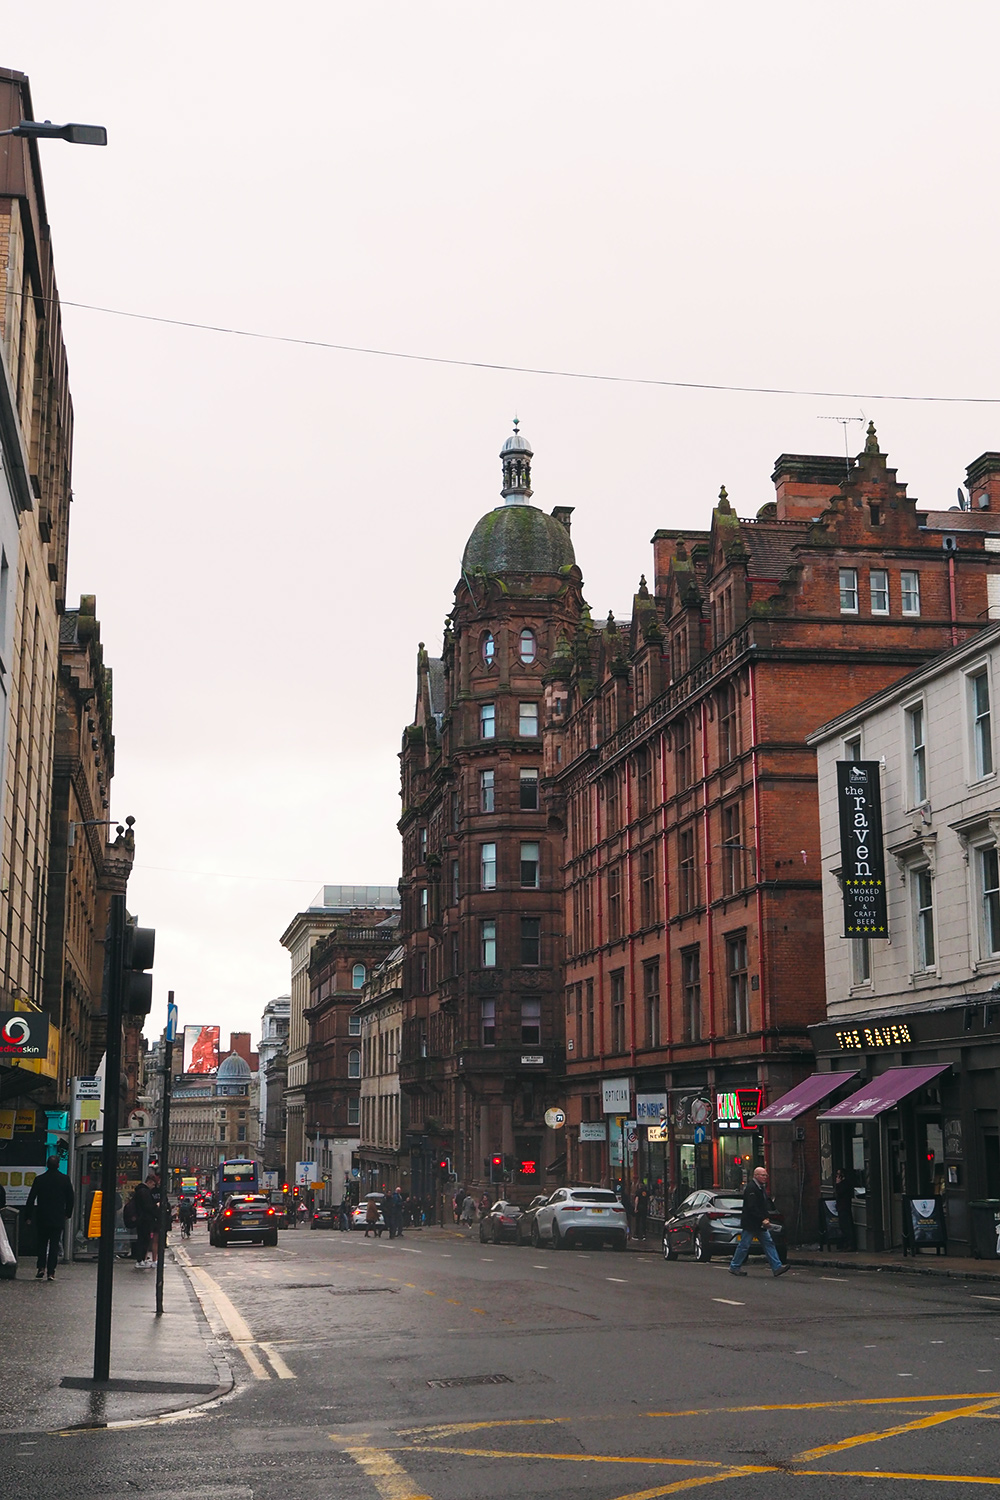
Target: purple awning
(805,1095)
(884,1092)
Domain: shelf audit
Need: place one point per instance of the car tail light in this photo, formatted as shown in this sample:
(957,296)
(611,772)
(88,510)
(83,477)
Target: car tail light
(271,1212)
(571,1208)
(228,1214)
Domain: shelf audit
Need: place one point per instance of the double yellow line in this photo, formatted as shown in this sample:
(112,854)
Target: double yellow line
(222,1315)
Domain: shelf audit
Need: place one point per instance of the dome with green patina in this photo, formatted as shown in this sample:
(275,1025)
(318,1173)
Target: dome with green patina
(516,537)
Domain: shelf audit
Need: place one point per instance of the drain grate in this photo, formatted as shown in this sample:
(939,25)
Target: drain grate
(447,1385)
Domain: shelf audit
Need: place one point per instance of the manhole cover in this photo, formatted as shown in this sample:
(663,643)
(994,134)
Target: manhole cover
(455,1380)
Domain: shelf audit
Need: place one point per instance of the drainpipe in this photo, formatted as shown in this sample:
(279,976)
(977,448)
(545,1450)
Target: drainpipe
(765,1017)
(707,841)
(630,913)
(666,899)
(951,597)
(600,946)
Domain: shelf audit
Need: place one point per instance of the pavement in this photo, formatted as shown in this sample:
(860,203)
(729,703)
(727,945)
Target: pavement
(158,1365)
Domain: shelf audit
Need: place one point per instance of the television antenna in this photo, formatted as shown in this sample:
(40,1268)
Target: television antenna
(844,423)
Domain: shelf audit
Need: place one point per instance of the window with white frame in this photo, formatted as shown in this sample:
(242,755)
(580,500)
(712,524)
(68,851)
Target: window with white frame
(358,976)
(354,1026)
(527,647)
(487,721)
(424,899)
(354,1111)
(489,649)
(530,867)
(917,750)
(354,1063)
(848,591)
(488,1022)
(861,961)
(980,723)
(910,585)
(922,901)
(487,791)
(988,879)
(852,748)
(488,944)
(878,583)
(487,867)
(527,720)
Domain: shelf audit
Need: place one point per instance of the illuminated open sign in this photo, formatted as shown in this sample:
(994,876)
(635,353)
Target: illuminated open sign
(737,1109)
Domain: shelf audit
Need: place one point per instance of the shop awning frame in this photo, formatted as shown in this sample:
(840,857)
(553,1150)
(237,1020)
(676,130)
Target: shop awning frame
(805,1095)
(882,1093)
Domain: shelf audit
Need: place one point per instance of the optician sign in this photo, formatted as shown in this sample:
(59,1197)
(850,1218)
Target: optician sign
(593,1130)
(616,1093)
(862,853)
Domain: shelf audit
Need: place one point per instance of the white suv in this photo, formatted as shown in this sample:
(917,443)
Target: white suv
(576,1215)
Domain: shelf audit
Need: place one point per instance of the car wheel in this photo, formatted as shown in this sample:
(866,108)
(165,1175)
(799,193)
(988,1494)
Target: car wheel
(482,1231)
(558,1243)
(669,1253)
(536,1239)
(702,1248)
(620,1243)
(272,1240)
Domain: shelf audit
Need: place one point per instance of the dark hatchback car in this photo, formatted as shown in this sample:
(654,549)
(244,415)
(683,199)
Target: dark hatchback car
(499,1224)
(707,1223)
(524,1223)
(244,1216)
(325,1217)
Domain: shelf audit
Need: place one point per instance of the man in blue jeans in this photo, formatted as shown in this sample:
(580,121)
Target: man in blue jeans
(754,1222)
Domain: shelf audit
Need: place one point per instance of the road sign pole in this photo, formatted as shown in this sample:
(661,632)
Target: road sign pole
(109,1139)
(168,1082)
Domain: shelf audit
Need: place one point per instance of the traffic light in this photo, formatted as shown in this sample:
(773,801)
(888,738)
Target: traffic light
(444,1166)
(137,992)
(496,1168)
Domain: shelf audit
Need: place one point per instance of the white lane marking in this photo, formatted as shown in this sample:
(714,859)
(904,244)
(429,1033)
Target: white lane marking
(833,1278)
(905,1374)
(983,1297)
(539,1268)
(446,1255)
(729,1301)
(408,1251)
(277,1363)
(486,1259)
(937,1341)
(620,1279)
(871,1346)
(802,1351)
(987,1371)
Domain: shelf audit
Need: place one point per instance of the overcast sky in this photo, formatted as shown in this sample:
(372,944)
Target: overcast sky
(782,195)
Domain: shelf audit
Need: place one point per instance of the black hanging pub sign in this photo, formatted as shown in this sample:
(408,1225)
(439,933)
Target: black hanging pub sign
(862,850)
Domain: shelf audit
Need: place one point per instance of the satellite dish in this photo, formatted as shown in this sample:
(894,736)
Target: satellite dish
(964,503)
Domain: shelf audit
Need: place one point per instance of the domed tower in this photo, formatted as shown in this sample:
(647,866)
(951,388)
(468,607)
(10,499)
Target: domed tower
(483,847)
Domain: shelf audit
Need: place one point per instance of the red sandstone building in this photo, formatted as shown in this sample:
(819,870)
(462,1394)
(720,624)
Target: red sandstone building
(694,957)
(664,876)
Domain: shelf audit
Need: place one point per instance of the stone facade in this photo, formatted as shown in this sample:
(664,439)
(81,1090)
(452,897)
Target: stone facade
(383,1105)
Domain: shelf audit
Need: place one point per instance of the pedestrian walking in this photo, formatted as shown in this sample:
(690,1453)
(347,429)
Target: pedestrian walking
(371,1218)
(187,1214)
(343,1216)
(468,1211)
(755,1224)
(843,1195)
(640,1210)
(398,1211)
(49,1205)
(147,1217)
(484,1204)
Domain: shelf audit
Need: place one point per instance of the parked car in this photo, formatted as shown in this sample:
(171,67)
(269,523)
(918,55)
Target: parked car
(359,1215)
(527,1219)
(499,1224)
(707,1223)
(325,1217)
(581,1215)
(243,1216)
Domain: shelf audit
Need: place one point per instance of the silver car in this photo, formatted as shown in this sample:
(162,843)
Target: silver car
(580,1215)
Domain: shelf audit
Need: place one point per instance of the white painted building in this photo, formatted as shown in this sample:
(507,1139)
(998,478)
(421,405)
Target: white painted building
(928,995)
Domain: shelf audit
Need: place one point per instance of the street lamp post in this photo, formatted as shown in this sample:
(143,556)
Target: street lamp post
(44,130)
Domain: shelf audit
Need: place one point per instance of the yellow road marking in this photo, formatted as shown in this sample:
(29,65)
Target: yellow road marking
(861,1438)
(888,1474)
(454,1301)
(451,1429)
(389,1478)
(588,1458)
(277,1363)
(710,1411)
(480,1310)
(691,1484)
(211,1295)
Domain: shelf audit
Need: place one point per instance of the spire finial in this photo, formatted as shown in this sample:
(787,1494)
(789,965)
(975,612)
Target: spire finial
(724,499)
(517,421)
(871,441)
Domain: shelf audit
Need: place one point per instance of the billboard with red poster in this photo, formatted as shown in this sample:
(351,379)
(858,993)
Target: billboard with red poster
(201,1049)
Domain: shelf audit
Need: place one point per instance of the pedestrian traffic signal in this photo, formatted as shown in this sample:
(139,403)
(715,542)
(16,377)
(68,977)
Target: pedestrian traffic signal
(444,1166)
(496,1168)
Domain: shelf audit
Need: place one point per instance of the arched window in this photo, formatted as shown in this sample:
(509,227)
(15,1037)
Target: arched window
(354,1063)
(528,647)
(489,648)
(358,976)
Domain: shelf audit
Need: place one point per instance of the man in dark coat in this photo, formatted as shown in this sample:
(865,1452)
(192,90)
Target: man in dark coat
(50,1203)
(755,1224)
(844,1198)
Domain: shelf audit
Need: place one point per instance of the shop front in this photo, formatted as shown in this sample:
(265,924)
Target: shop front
(918,1136)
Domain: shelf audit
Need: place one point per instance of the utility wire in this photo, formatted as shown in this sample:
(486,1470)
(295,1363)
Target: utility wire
(484,364)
